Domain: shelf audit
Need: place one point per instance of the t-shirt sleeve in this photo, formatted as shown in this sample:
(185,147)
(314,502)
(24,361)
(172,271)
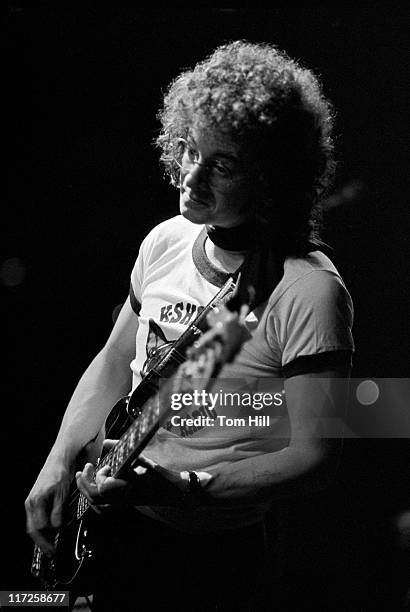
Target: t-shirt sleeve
(312,324)
(151,248)
(136,280)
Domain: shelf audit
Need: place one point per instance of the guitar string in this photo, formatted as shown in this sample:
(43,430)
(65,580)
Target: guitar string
(77,497)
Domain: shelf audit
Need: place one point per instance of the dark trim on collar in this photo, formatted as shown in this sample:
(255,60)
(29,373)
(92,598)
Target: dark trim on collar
(212,274)
(239,238)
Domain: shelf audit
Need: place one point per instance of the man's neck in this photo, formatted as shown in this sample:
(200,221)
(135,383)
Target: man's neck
(241,237)
(228,261)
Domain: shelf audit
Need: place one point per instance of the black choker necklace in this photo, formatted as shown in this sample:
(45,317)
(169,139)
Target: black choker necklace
(239,238)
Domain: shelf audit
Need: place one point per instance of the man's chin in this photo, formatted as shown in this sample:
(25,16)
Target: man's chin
(195,216)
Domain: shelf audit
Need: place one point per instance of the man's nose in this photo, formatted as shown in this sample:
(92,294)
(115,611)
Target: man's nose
(196,175)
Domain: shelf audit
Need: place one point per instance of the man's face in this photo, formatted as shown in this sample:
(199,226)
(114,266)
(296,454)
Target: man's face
(216,186)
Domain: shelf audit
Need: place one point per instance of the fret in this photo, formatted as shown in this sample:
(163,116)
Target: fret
(82,505)
(79,507)
(105,461)
(113,457)
(115,463)
(177,355)
(155,413)
(125,442)
(143,424)
(131,439)
(121,453)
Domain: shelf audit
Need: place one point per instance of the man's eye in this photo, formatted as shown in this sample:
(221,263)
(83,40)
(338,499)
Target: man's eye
(191,153)
(221,169)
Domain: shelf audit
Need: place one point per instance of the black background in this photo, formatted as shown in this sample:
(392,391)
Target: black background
(82,88)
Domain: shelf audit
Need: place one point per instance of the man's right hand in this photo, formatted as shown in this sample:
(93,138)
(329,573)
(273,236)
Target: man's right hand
(44,504)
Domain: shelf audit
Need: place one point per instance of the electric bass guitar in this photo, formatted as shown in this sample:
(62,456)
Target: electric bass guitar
(217,334)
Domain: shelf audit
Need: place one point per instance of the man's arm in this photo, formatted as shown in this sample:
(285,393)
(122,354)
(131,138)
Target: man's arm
(316,405)
(107,378)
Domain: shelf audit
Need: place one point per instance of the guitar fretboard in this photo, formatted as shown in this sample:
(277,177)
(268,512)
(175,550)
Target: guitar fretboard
(121,457)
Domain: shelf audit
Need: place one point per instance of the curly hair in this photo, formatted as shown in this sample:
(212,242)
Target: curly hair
(276,108)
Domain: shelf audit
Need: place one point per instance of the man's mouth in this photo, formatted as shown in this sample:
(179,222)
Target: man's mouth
(195,200)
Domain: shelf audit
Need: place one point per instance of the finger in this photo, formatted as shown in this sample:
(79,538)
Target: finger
(145,462)
(113,484)
(109,443)
(100,508)
(87,474)
(86,487)
(86,484)
(37,518)
(140,471)
(38,527)
(111,489)
(92,495)
(101,476)
(103,472)
(56,516)
(243,312)
(46,543)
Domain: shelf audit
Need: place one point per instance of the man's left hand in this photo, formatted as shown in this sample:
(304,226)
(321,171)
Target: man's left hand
(148,484)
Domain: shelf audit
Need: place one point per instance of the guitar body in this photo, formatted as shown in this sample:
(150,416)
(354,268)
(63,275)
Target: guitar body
(72,565)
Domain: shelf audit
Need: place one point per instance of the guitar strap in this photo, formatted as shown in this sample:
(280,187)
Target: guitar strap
(261,270)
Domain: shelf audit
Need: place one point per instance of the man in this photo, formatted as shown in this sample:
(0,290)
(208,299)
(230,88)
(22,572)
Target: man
(247,139)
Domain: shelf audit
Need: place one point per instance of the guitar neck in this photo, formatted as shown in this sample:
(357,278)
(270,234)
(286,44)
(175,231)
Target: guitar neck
(153,395)
(123,456)
(176,355)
